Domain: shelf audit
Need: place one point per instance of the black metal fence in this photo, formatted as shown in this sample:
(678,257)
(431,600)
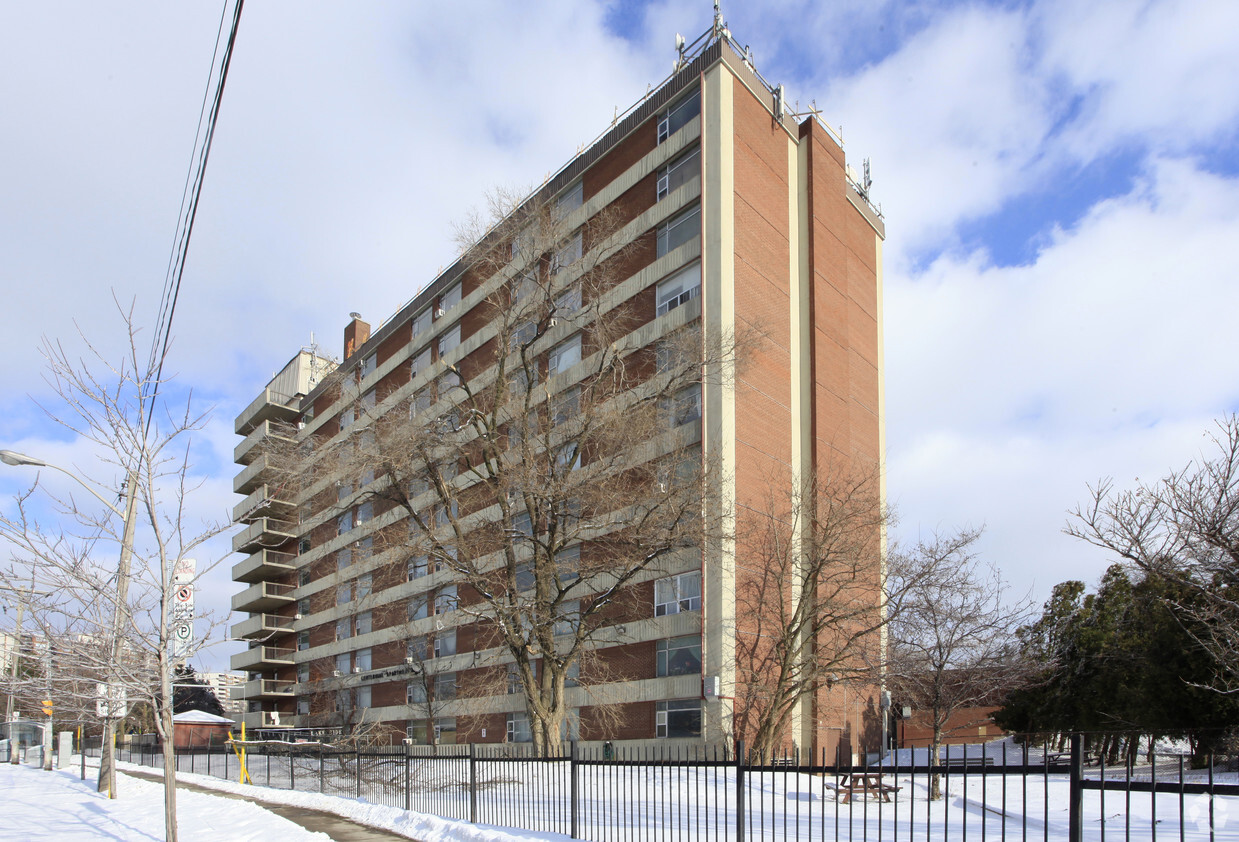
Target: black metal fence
(1000,792)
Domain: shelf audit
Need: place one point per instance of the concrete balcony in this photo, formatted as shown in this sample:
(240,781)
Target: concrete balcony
(249,449)
(267,688)
(259,472)
(263,596)
(263,625)
(264,501)
(268,406)
(265,719)
(264,566)
(262,657)
(264,533)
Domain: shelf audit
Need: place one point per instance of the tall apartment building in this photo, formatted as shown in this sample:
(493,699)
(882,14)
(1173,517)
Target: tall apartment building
(734,218)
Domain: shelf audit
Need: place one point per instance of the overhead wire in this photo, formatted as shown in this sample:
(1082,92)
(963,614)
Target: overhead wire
(189,210)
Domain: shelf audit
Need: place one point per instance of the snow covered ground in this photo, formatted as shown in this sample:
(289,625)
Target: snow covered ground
(39,805)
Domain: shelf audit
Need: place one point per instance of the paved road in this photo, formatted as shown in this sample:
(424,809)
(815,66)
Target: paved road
(339,829)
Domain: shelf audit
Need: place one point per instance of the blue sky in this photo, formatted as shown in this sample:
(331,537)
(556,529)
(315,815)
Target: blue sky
(1060,181)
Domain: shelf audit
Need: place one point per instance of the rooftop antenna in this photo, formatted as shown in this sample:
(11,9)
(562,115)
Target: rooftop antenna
(720,28)
(868,179)
(680,44)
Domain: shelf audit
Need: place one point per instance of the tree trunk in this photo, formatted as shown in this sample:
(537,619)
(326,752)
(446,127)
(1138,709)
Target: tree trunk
(107,759)
(935,748)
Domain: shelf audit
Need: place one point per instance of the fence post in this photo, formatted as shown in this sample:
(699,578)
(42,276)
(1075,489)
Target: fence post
(473,784)
(292,768)
(407,781)
(1075,827)
(573,788)
(358,753)
(321,774)
(740,790)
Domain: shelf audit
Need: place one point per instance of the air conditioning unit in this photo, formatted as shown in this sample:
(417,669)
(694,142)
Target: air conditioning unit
(356,670)
(408,741)
(552,321)
(440,312)
(335,673)
(409,661)
(297,616)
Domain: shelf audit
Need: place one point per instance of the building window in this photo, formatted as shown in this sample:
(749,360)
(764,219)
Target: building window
(303,706)
(514,679)
(419,608)
(303,546)
(303,673)
(445,686)
(344,701)
(368,365)
(362,660)
(344,558)
(449,341)
(522,243)
(344,593)
(679,230)
(365,585)
(344,629)
(416,732)
(367,402)
(678,172)
(363,697)
(423,321)
(343,660)
(344,523)
(674,118)
(680,288)
(518,728)
(347,416)
(569,200)
(303,641)
(569,252)
(445,643)
(303,578)
(445,601)
(564,355)
(365,512)
(445,731)
(420,363)
(522,334)
(303,607)
(568,302)
(415,694)
(569,618)
(419,566)
(678,719)
(679,655)
(450,298)
(524,286)
(365,622)
(677,593)
(683,407)
(416,649)
(565,406)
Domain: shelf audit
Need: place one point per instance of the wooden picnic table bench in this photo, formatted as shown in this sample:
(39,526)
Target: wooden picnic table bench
(864,784)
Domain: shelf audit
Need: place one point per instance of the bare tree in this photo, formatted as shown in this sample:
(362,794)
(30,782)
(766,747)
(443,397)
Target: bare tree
(810,587)
(547,469)
(116,626)
(1185,529)
(952,644)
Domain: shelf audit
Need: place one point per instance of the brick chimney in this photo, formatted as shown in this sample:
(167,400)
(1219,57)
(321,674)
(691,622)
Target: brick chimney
(355,335)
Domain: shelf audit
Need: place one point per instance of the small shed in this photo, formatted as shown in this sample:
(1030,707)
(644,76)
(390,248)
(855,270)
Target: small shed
(196,728)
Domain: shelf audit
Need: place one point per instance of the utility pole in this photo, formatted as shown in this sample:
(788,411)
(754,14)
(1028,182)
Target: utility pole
(107,754)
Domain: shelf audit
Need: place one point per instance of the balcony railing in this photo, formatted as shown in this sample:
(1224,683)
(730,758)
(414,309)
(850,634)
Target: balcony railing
(264,533)
(261,657)
(262,625)
(263,566)
(264,501)
(263,596)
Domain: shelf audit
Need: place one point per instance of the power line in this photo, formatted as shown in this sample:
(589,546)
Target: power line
(189,211)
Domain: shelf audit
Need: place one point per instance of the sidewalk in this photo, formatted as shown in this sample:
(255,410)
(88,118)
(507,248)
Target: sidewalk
(316,821)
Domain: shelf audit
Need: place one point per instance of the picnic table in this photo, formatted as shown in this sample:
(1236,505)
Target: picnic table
(864,784)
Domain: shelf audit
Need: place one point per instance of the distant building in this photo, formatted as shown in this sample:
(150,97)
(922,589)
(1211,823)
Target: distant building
(744,214)
(228,687)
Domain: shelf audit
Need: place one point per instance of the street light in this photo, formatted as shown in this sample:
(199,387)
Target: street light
(107,759)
